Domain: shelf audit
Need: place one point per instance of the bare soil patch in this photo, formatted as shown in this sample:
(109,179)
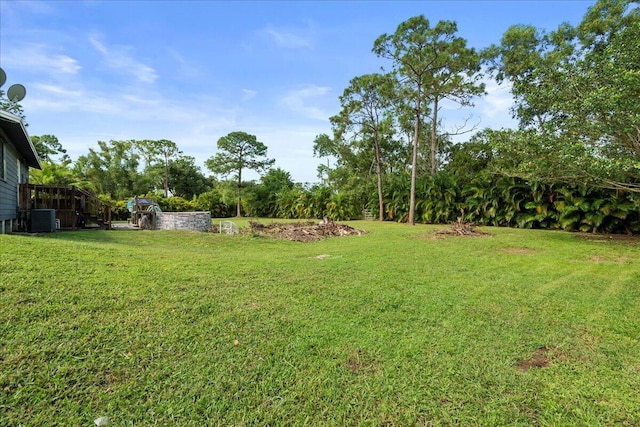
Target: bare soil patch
(518,251)
(539,359)
(601,259)
(625,239)
(360,362)
(304,231)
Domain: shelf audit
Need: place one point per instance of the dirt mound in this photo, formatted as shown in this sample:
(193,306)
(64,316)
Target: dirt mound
(303,231)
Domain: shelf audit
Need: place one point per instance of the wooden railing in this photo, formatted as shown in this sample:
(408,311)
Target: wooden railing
(75,208)
(367,215)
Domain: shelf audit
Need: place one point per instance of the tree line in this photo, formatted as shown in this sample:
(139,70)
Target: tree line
(572,163)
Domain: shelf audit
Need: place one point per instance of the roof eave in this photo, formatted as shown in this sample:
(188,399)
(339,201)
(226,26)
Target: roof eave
(14,127)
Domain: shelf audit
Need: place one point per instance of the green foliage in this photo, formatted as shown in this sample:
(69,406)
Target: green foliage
(47,146)
(340,208)
(467,160)
(433,65)
(213,201)
(262,199)
(185,178)
(576,92)
(239,151)
(113,168)
(119,211)
(363,130)
(158,156)
(177,204)
(317,198)
(291,203)
(397,197)
(53,174)
(588,209)
(500,200)
(438,199)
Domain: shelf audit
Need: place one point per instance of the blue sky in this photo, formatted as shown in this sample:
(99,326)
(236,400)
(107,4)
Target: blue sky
(193,71)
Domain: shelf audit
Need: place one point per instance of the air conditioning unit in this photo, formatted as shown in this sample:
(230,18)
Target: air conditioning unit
(42,221)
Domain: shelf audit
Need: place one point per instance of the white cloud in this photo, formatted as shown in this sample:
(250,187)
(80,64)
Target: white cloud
(289,38)
(50,98)
(11,9)
(39,57)
(98,46)
(498,100)
(58,91)
(247,94)
(299,100)
(185,69)
(120,58)
(138,107)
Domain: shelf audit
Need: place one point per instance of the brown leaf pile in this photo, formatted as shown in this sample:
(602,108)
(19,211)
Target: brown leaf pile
(303,231)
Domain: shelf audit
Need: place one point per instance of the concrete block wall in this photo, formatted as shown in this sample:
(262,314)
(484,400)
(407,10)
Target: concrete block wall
(196,221)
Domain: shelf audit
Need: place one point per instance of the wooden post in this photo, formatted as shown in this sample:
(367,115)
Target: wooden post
(74,217)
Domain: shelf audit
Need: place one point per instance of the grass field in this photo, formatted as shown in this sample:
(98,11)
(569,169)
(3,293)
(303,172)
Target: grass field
(400,326)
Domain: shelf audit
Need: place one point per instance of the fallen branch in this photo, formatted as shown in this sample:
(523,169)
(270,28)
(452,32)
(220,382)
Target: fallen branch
(303,231)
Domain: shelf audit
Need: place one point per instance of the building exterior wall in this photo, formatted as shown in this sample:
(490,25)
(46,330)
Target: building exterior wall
(8,180)
(196,221)
(17,154)
(13,171)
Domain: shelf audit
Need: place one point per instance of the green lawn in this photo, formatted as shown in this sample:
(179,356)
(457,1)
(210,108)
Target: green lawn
(400,326)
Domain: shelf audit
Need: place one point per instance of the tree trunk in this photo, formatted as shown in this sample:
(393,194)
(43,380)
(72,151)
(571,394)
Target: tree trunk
(238,211)
(434,138)
(166,176)
(379,173)
(414,166)
(414,161)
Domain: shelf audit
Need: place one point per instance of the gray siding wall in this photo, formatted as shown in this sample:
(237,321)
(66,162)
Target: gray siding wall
(9,185)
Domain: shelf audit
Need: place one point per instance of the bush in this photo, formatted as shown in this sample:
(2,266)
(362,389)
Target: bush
(177,204)
(212,201)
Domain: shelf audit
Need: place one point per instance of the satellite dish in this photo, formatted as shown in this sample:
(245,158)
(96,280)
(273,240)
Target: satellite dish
(3,77)
(16,93)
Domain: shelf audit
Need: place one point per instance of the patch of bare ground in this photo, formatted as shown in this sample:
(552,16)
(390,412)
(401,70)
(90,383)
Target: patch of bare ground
(518,251)
(303,231)
(589,340)
(624,239)
(582,350)
(539,359)
(360,362)
(600,259)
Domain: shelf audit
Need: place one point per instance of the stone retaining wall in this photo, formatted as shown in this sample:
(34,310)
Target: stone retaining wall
(197,221)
